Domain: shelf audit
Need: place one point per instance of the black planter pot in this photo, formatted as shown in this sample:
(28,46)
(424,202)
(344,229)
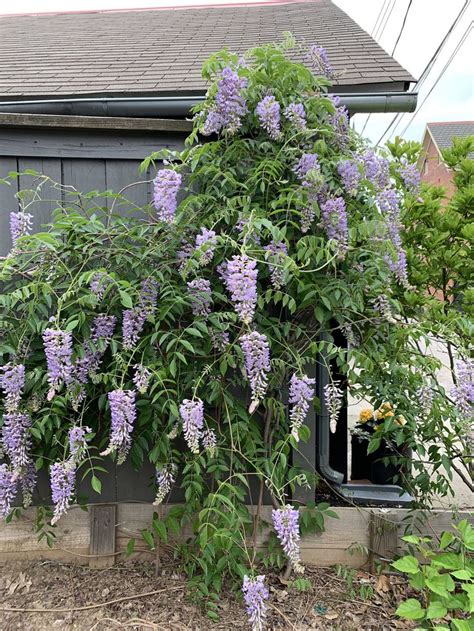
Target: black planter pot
(371,466)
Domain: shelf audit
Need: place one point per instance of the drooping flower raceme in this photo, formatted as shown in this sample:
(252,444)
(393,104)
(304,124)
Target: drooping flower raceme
(296,114)
(77,441)
(277,252)
(463,391)
(58,350)
(387,202)
(165,478)
(8,489)
(255,596)
(206,241)
(268,112)
(339,121)
(376,169)
(333,398)
(241,282)
(286,524)
(200,293)
(141,378)
(410,175)
(300,396)
(99,284)
(306,166)
(256,352)
(102,330)
(334,221)
(12,382)
(123,413)
(209,441)
(192,416)
(16,440)
(317,59)
(166,186)
(229,107)
(20,225)
(219,339)
(350,175)
(134,319)
(63,479)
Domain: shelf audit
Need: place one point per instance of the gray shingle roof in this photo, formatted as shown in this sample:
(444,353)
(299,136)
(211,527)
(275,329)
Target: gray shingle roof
(161,51)
(443,133)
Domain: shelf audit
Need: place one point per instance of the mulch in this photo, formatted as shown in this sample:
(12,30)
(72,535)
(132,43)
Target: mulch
(137,595)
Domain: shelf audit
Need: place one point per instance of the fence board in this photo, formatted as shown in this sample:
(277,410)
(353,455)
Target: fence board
(8,203)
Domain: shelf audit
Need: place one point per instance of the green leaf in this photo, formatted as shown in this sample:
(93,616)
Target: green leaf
(441,584)
(72,325)
(125,299)
(160,529)
(461,625)
(446,539)
(407,564)
(436,610)
(411,610)
(96,484)
(130,547)
(462,575)
(148,538)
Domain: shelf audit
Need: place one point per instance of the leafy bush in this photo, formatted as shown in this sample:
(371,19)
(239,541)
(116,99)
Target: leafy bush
(444,579)
(187,332)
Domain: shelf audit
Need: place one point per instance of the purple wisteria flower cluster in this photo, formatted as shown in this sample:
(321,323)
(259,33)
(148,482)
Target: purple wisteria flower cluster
(256,352)
(165,478)
(99,284)
(209,441)
(8,489)
(388,204)
(333,398)
(200,293)
(20,225)
(300,396)
(192,416)
(123,413)
(102,330)
(339,122)
(317,59)
(141,378)
(229,106)
(334,221)
(58,351)
(307,166)
(206,242)
(220,340)
(277,252)
(134,319)
(376,169)
(286,524)
(240,277)
(63,480)
(77,441)
(165,191)
(255,596)
(350,175)
(268,112)
(16,440)
(463,391)
(411,176)
(12,382)
(296,114)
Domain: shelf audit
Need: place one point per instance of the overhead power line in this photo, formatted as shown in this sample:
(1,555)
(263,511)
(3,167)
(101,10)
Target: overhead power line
(429,66)
(448,63)
(378,17)
(396,43)
(386,21)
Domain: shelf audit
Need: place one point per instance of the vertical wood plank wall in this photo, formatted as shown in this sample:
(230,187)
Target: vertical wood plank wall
(87,160)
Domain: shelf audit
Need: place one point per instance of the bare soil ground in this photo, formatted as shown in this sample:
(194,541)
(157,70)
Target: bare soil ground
(130,596)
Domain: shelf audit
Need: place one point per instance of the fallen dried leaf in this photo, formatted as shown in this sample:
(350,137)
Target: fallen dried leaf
(382,584)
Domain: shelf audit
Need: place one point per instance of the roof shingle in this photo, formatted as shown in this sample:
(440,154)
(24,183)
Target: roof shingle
(444,132)
(162,51)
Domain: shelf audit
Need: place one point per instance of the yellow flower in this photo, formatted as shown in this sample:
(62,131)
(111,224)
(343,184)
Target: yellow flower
(366,415)
(377,427)
(384,411)
(388,414)
(401,420)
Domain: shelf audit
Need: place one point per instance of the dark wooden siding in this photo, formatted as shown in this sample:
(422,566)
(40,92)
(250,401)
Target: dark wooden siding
(86,160)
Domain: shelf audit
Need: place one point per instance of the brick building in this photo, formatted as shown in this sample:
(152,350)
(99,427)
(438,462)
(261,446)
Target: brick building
(439,136)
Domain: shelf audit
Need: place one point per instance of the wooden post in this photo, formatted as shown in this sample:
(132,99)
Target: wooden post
(102,541)
(383,539)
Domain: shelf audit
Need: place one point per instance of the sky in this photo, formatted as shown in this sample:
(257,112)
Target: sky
(426,24)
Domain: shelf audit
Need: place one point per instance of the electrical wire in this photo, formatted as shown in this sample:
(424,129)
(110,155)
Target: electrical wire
(386,21)
(403,27)
(378,17)
(426,71)
(375,34)
(448,63)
